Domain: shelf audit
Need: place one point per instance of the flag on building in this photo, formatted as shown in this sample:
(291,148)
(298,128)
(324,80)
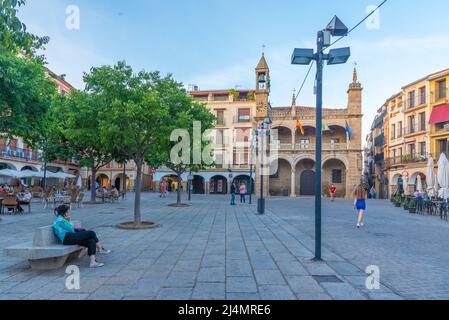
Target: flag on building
(300,127)
(348,131)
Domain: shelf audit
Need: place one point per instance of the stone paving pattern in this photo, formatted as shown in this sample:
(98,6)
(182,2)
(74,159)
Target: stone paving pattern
(214,251)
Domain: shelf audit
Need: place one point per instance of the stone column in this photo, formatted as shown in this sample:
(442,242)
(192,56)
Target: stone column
(293,184)
(293,138)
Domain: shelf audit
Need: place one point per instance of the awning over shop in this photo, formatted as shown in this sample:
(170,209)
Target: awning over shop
(440,114)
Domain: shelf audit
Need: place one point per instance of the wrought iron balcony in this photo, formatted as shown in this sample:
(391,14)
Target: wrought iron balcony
(18,153)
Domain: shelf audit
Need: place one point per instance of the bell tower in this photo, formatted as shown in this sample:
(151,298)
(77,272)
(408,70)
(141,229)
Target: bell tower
(262,89)
(262,112)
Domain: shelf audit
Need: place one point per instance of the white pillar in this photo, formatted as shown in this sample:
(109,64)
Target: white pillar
(293,139)
(293,184)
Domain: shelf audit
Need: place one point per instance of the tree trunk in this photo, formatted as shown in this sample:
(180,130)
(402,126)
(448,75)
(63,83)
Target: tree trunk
(178,196)
(137,213)
(93,191)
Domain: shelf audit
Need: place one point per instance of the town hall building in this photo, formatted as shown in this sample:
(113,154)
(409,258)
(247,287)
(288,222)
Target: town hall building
(242,111)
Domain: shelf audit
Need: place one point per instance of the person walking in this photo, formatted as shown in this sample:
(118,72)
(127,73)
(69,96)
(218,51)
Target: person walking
(163,190)
(373,193)
(233,193)
(333,192)
(242,193)
(360,195)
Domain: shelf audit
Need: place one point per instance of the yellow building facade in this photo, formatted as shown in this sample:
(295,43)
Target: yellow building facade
(439,120)
(414,132)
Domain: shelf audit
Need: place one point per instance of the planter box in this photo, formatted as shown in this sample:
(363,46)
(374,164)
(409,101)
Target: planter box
(412,210)
(397,205)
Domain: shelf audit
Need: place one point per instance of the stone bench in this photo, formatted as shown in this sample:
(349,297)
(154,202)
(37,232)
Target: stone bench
(46,252)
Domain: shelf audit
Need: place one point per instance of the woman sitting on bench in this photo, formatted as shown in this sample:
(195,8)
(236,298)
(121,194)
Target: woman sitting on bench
(69,236)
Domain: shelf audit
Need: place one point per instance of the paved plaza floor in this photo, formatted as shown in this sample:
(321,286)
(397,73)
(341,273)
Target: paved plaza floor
(211,250)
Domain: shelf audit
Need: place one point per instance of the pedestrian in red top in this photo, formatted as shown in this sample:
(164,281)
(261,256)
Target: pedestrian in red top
(333,192)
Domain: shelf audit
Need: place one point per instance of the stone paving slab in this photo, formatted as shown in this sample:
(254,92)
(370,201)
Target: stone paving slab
(213,251)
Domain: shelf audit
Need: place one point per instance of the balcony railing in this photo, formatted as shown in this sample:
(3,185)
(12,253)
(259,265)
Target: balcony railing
(407,159)
(379,141)
(414,129)
(312,147)
(242,119)
(17,153)
(379,157)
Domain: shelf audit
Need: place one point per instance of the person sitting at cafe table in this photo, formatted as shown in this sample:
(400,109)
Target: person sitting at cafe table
(2,189)
(24,198)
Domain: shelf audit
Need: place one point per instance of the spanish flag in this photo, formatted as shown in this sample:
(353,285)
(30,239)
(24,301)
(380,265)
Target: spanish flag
(300,127)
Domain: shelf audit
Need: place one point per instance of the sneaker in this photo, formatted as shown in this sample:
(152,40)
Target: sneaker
(104,251)
(362,224)
(358,226)
(95,264)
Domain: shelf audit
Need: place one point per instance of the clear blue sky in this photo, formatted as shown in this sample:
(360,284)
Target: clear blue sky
(217,44)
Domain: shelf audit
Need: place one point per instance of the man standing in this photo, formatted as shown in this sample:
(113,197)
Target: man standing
(233,193)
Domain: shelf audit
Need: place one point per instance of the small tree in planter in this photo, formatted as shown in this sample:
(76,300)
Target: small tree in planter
(397,201)
(405,204)
(412,206)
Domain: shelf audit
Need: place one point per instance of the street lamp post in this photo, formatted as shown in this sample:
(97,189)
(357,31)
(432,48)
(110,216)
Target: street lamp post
(124,180)
(251,155)
(335,56)
(263,131)
(189,184)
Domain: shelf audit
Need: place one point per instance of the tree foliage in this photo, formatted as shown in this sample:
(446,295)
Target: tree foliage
(183,113)
(14,36)
(25,94)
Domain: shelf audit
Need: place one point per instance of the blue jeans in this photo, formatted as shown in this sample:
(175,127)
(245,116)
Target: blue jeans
(232,199)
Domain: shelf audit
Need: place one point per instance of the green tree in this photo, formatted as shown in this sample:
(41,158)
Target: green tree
(82,133)
(25,94)
(188,146)
(134,114)
(13,33)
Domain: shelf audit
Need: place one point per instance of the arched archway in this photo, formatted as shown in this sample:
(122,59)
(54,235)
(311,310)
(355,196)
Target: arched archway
(284,135)
(307,184)
(307,140)
(118,182)
(414,181)
(335,136)
(6,165)
(103,180)
(305,177)
(54,169)
(218,185)
(280,181)
(29,168)
(334,172)
(30,181)
(198,185)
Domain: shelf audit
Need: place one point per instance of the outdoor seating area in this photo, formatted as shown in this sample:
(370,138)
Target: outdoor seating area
(110,194)
(54,196)
(14,200)
(434,201)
